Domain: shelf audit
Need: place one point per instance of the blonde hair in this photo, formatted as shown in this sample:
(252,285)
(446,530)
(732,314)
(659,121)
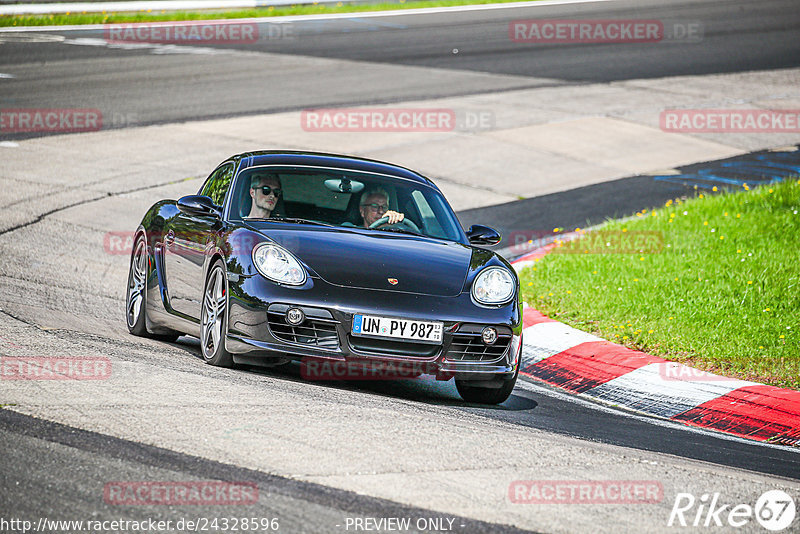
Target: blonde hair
(256,179)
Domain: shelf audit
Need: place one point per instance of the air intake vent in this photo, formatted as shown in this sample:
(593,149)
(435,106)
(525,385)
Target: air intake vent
(318,329)
(467,345)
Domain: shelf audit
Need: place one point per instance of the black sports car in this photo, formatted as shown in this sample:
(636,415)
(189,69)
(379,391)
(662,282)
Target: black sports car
(328,260)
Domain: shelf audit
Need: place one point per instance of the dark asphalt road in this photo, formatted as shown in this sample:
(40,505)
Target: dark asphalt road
(736,36)
(59,473)
(536,217)
(560,414)
(154,86)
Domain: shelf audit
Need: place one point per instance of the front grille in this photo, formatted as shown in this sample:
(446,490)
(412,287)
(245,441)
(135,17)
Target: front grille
(318,330)
(467,345)
(392,348)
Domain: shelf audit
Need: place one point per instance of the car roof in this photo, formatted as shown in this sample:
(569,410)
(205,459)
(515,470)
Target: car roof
(321,159)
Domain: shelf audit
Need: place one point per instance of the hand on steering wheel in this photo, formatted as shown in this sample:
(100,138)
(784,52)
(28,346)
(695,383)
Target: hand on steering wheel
(405,222)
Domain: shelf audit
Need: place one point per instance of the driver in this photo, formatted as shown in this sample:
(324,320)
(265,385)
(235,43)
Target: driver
(265,189)
(375,205)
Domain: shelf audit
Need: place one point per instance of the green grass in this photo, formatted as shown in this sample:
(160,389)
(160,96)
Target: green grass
(721,295)
(301,9)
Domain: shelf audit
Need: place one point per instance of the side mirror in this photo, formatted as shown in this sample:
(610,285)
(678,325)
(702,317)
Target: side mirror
(482,235)
(198,205)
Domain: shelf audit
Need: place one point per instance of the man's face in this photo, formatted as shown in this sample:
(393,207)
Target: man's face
(263,201)
(370,212)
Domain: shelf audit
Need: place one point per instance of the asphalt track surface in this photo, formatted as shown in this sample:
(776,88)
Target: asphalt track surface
(89,460)
(736,36)
(40,456)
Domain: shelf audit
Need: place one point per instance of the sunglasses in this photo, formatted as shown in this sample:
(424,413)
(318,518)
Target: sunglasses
(376,207)
(266,190)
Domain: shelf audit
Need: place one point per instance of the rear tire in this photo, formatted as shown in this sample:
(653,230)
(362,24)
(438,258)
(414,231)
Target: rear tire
(136,297)
(486,395)
(214,318)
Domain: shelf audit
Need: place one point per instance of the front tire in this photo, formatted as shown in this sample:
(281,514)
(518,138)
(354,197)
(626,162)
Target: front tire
(214,318)
(487,395)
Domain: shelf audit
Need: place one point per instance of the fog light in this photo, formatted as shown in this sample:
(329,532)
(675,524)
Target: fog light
(489,335)
(295,316)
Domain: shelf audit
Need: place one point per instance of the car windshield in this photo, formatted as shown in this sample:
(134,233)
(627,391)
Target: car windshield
(342,198)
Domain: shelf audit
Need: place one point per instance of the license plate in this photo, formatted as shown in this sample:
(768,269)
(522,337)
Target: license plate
(392,327)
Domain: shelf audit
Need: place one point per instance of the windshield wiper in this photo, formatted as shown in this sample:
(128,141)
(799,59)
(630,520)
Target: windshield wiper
(288,219)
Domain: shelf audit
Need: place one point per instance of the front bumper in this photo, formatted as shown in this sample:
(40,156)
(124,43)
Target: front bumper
(258,332)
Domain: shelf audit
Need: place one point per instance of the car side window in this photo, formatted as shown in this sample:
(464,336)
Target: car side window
(218,183)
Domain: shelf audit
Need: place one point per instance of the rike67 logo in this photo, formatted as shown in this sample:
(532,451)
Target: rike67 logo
(774,510)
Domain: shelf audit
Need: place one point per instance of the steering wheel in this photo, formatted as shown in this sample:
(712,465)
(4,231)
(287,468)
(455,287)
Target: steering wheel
(405,222)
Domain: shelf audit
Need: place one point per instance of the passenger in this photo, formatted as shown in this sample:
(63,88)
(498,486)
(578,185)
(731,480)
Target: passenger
(265,190)
(375,205)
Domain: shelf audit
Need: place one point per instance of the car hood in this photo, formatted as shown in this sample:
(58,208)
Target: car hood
(370,259)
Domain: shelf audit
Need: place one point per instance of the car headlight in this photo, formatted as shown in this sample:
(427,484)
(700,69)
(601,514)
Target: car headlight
(494,285)
(278,264)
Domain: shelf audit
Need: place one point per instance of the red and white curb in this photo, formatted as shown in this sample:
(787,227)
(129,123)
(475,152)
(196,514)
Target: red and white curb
(593,367)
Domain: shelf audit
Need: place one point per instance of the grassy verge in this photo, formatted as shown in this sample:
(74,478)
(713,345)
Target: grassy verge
(303,9)
(721,294)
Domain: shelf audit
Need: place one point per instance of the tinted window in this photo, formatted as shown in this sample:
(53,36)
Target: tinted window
(335,197)
(218,183)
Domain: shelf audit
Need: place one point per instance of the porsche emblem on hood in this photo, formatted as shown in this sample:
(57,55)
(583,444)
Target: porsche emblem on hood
(392,281)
